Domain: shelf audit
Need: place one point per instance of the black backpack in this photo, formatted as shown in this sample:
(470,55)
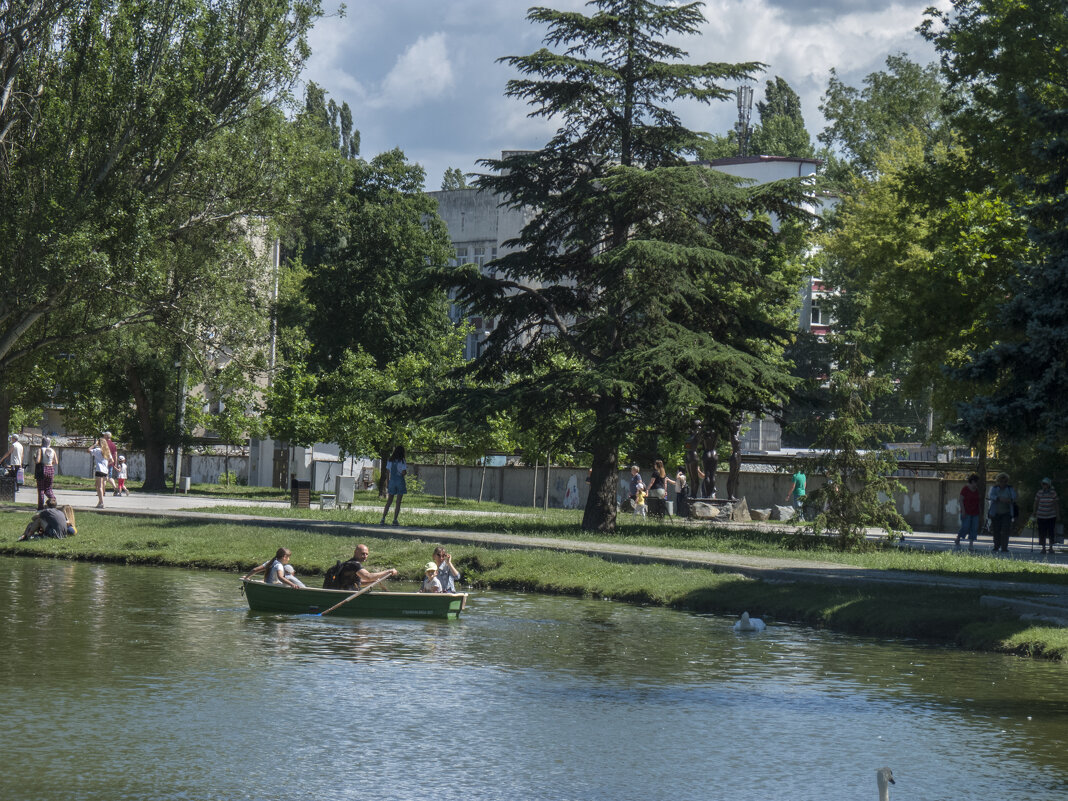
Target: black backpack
(342,576)
(332,580)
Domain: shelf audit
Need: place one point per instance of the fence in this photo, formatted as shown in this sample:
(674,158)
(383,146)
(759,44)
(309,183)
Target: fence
(927,503)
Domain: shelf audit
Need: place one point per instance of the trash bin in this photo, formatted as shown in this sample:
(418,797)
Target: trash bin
(184,483)
(7,488)
(300,494)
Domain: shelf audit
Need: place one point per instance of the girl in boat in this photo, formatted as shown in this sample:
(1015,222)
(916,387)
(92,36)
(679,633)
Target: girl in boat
(274,570)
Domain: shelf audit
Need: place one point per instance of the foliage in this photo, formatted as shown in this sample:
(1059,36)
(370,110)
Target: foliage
(781,131)
(930,279)
(864,122)
(453,178)
(1008,61)
(858,491)
(123,107)
(638,292)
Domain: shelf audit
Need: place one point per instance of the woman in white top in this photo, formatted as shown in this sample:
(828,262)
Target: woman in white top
(397,486)
(101,455)
(45,472)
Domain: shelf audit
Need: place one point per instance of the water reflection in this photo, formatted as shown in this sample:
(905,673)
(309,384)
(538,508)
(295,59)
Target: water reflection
(155,683)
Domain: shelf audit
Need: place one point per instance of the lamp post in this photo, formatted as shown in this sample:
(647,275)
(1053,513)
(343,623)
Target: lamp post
(745,110)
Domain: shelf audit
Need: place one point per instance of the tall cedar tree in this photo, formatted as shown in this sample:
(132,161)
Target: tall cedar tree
(639,289)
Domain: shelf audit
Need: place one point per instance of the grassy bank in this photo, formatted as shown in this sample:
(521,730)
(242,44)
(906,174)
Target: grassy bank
(779,542)
(935,615)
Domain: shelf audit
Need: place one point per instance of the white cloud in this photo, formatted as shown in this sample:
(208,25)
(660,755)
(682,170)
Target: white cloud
(422,72)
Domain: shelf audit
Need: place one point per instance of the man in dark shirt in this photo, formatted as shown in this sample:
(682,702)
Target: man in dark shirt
(49,522)
(354,575)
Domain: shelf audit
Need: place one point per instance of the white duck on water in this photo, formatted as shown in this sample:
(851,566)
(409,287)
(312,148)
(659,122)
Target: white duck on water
(884,777)
(747,623)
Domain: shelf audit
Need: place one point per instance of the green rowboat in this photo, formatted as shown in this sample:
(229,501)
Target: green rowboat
(311,601)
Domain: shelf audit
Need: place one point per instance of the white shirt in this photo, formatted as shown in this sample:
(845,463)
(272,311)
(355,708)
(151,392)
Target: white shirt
(100,461)
(16,454)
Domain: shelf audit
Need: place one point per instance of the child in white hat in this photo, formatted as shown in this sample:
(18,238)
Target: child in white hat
(431,583)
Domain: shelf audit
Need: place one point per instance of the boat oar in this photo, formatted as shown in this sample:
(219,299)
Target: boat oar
(354,595)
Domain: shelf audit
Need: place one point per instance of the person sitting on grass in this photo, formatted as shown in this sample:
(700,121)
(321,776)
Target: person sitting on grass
(49,522)
(274,570)
(68,512)
(431,583)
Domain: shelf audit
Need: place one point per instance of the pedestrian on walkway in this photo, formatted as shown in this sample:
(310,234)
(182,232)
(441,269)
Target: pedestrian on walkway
(1047,509)
(45,472)
(113,461)
(397,486)
(970,504)
(101,457)
(13,459)
(796,496)
(1003,511)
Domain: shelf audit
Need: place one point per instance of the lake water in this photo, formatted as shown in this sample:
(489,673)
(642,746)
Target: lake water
(152,683)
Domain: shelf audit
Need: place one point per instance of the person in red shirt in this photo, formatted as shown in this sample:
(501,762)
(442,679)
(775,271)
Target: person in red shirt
(970,504)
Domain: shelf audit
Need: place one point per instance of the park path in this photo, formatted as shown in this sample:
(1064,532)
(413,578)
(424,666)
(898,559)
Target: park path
(1049,601)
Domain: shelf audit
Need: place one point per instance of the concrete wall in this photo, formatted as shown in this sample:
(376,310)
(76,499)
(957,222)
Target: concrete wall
(203,469)
(927,503)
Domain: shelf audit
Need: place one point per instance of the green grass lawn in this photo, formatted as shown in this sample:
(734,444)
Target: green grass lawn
(932,614)
(782,542)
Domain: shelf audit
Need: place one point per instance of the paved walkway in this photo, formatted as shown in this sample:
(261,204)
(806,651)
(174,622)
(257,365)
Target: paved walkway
(1049,601)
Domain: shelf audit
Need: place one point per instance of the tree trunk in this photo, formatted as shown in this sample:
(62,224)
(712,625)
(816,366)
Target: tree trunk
(600,512)
(5,418)
(984,440)
(155,441)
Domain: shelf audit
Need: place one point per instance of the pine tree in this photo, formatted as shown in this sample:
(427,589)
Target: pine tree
(639,291)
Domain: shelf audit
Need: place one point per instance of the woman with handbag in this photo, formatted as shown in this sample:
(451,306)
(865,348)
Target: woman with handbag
(44,472)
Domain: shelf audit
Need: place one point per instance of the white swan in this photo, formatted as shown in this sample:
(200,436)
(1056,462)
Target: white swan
(749,623)
(884,777)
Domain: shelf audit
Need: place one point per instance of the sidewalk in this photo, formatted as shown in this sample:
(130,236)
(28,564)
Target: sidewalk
(1047,601)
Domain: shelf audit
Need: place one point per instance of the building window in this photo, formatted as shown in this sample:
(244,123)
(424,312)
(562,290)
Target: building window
(817,315)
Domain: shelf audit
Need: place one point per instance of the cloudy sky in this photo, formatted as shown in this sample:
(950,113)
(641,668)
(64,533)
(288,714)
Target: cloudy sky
(421,74)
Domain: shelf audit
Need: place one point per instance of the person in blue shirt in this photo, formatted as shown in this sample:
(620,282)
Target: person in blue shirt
(447,574)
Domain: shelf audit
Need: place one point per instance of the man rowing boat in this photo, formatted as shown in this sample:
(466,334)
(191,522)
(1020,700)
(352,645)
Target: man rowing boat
(354,575)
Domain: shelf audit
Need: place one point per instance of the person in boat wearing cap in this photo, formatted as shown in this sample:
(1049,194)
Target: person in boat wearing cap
(1047,509)
(431,583)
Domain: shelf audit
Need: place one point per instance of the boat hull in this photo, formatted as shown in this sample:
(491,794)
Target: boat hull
(311,601)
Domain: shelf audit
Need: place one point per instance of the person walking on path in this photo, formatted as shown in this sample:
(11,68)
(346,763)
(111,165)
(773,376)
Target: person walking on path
(13,458)
(682,500)
(796,496)
(1002,512)
(971,504)
(101,456)
(45,472)
(121,474)
(113,462)
(1047,509)
(397,486)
